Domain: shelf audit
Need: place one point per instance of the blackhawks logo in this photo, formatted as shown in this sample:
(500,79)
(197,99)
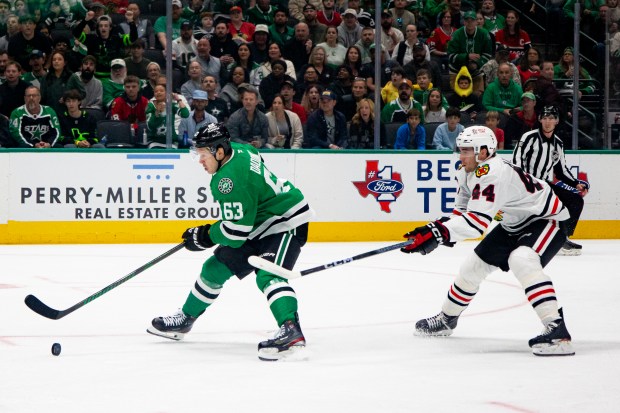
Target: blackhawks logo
(225,185)
(482,170)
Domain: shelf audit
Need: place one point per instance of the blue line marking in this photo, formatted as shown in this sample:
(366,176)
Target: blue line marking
(153,166)
(165,156)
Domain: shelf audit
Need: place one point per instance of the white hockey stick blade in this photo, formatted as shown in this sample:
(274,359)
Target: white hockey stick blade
(263,264)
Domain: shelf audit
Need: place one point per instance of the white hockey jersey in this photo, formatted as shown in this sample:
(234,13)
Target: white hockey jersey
(500,190)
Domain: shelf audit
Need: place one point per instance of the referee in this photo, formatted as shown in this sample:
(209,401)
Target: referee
(540,153)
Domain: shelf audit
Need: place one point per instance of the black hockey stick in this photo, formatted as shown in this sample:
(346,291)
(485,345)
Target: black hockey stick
(39,307)
(269,266)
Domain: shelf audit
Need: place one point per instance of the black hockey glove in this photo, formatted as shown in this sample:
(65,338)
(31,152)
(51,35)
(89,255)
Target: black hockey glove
(197,238)
(427,238)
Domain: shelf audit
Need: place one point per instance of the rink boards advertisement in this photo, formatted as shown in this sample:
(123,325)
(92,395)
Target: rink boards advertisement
(132,196)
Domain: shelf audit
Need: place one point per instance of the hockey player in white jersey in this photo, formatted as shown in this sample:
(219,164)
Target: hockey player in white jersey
(527,238)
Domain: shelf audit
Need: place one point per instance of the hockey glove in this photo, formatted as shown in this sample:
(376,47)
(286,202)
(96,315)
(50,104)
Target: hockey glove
(427,238)
(197,238)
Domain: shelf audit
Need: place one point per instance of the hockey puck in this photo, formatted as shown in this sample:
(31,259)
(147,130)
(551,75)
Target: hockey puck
(56,349)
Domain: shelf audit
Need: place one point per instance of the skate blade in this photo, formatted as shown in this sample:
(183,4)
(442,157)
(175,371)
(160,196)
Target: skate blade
(569,253)
(172,336)
(422,333)
(559,348)
(294,353)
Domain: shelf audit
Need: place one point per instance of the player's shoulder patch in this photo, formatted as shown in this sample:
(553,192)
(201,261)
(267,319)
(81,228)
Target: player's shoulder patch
(482,170)
(225,185)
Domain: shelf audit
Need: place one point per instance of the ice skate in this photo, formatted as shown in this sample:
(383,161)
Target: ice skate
(173,327)
(570,248)
(553,341)
(289,343)
(439,325)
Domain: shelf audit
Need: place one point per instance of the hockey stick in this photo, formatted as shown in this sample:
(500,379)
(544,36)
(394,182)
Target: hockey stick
(39,307)
(269,266)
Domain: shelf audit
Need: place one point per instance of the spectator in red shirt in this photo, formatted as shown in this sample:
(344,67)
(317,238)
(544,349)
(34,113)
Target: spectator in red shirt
(131,105)
(240,31)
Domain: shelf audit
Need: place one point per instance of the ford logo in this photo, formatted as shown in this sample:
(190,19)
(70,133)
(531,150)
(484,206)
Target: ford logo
(385,186)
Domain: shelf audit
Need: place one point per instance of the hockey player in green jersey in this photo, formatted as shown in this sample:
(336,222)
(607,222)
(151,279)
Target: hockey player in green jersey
(261,215)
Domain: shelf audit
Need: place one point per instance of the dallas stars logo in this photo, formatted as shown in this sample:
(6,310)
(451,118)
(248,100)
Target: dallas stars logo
(385,185)
(225,185)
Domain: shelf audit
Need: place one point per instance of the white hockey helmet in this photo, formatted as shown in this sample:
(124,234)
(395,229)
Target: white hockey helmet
(477,137)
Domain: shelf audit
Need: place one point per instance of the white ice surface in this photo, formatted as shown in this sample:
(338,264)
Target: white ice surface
(358,321)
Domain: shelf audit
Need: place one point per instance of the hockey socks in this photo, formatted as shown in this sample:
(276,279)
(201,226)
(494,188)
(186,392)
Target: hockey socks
(207,287)
(280,296)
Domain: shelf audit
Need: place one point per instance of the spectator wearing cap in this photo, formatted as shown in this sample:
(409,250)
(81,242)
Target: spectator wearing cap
(280,32)
(262,13)
(419,61)
(271,84)
(197,117)
(222,44)
(184,47)
(59,79)
(317,29)
(113,86)
(396,111)
(241,31)
(403,53)
(364,17)
(78,128)
(103,44)
(296,8)
(349,31)
(401,18)
(144,26)
(504,94)
(490,68)
(12,90)
(37,69)
(210,64)
(287,91)
(136,63)
(298,49)
(160,26)
(259,45)
(326,127)
(390,36)
(92,86)
(328,14)
(248,124)
(22,43)
(523,121)
(471,47)
(194,72)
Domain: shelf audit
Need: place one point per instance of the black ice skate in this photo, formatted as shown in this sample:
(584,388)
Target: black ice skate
(440,325)
(173,327)
(288,343)
(554,340)
(570,248)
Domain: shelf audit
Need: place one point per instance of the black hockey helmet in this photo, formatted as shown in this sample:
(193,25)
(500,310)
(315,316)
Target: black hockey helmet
(213,135)
(550,111)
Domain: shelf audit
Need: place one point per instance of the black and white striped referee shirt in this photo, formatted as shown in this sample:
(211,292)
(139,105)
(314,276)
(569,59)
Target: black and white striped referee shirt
(542,157)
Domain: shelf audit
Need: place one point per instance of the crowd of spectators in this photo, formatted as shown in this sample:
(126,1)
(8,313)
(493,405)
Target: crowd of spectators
(282,74)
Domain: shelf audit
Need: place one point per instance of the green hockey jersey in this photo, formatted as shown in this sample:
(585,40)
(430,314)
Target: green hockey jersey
(156,123)
(27,129)
(254,203)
